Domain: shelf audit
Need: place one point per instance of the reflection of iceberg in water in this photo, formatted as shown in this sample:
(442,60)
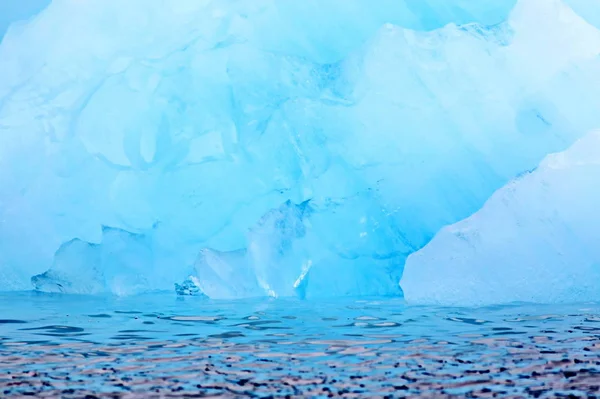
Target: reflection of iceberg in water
(268,148)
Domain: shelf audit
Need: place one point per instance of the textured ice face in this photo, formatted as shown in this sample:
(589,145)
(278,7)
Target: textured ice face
(274,148)
(535,240)
(122,264)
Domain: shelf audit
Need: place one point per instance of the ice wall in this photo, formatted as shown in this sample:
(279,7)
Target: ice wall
(267,147)
(535,240)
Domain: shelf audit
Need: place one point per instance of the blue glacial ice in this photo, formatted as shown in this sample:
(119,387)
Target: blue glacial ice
(587,9)
(534,240)
(12,12)
(263,147)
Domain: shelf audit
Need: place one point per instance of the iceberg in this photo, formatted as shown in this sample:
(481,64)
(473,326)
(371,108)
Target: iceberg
(259,147)
(535,240)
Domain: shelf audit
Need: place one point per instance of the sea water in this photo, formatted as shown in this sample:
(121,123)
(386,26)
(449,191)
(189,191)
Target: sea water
(162,345)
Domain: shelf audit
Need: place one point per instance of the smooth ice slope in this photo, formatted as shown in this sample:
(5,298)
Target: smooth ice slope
(535,240)
(588,9)
(12,12)
(264,147)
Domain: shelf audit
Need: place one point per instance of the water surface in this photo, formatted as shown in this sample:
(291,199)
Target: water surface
(166,346)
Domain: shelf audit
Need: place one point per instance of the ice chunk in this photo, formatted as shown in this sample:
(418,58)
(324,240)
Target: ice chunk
(290,253)
(535,240)
(190,287)
(77,269)
(225,275)
(122,263)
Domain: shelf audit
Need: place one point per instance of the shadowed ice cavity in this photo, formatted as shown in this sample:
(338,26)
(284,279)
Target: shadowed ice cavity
(267,147)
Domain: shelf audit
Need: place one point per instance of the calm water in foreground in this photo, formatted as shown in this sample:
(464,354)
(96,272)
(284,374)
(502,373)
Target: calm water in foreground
(164,346)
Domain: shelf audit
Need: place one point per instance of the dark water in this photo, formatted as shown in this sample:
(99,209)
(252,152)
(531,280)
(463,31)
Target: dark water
(163,346)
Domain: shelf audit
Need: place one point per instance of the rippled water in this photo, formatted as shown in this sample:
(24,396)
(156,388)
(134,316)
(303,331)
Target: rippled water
(53,345)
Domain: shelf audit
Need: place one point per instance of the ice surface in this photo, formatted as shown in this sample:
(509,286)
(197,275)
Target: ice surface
(267,147)
(122,264)
(535,240)
(588,9)
(13,12)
